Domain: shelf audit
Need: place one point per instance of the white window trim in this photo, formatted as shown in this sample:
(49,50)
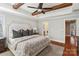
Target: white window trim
(3,25)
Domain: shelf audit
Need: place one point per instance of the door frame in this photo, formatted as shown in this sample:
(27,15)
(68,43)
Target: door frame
(71,21)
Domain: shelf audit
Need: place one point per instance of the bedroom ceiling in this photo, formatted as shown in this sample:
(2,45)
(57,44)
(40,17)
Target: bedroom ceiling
(24,7)
(27,11)
(30,10)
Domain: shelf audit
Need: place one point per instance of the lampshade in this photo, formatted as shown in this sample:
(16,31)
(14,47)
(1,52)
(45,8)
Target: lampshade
(35,28)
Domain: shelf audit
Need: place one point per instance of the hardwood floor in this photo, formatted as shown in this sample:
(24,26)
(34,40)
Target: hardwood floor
(78,45)
(71,51)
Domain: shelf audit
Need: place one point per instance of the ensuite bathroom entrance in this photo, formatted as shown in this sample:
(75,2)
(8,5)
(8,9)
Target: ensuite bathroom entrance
(70,38)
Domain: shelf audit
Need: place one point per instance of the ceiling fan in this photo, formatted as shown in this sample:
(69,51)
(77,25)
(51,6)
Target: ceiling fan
(39,8)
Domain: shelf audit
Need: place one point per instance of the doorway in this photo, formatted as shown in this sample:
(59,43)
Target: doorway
(70,38)
(70,31)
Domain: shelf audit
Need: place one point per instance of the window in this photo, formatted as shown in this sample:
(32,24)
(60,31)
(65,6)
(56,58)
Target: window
(1,32)
(45,24)
(1,26)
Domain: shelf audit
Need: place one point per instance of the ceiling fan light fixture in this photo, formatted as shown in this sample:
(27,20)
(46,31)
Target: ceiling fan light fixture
(39,10)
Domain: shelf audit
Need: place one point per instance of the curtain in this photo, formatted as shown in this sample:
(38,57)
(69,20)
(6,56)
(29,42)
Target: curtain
(1,28)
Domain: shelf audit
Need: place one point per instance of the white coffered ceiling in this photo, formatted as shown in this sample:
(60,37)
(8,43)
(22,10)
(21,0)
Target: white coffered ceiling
(36,5)
(27,11)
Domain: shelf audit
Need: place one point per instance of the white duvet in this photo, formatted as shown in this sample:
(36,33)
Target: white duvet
(29,45)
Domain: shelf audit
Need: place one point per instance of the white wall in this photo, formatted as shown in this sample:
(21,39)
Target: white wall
(56,30)
(56,26)
(14,18)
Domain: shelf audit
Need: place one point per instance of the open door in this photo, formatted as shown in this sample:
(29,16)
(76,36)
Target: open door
(70,38)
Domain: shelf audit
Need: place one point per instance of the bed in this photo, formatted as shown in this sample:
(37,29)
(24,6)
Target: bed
(26,45)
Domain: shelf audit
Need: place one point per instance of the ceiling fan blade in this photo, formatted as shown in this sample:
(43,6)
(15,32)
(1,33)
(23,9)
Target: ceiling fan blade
(32,7)
(40,5)
(56,7)
(46,8)
(35,11)
(17,5)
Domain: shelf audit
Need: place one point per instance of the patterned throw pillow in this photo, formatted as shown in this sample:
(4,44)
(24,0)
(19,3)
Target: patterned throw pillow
(25,32)
(31,32)
(17,34)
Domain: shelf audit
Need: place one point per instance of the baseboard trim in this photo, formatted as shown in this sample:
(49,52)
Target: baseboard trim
(58,43)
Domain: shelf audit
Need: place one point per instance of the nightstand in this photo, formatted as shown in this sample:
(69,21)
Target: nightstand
(2,44)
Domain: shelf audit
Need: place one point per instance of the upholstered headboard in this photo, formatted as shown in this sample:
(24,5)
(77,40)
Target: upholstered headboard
(17,27)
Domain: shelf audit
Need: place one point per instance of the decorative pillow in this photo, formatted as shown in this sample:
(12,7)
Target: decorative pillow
(31,32)
(28,31)
(17,34)
(25,32)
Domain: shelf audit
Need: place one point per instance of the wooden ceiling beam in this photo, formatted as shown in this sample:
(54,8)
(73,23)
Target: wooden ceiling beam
(17,5)
(63,5)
